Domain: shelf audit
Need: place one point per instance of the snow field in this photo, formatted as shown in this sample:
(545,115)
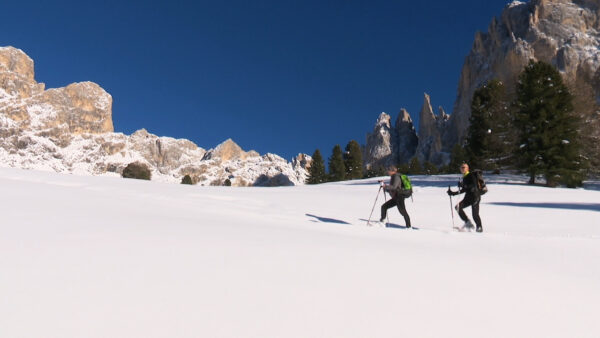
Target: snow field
(88,256)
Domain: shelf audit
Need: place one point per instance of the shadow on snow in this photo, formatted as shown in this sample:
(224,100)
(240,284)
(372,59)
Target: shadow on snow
(327,220)
(570,206)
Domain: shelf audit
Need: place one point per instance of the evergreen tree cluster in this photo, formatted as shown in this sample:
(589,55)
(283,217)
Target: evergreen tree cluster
(534,130)
(490,139)
(343,165)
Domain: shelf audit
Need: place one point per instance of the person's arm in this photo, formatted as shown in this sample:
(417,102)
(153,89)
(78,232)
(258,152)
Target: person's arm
(461,189)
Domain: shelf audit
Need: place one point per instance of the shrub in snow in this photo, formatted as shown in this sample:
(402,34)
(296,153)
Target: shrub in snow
(187,179)
(137,170)
(227,183)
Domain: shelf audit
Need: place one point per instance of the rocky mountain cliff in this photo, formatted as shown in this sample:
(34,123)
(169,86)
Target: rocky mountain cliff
(70,130)
(565,33)
(390,145)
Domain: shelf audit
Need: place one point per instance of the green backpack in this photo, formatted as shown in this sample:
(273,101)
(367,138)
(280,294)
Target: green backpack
(406,182)
(406,189)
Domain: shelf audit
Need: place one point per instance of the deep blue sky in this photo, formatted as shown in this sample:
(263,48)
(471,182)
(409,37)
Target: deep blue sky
(276,76)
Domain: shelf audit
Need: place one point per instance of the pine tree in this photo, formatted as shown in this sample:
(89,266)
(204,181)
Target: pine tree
(586,105)
(403,168)
(429,168)
(458,156)
(316,172)
(489,142)
(377,171)
(353,161)
(414,167)
(547,127)
(337,169)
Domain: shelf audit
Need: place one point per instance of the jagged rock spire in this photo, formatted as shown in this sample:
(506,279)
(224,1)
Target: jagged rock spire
(407,137)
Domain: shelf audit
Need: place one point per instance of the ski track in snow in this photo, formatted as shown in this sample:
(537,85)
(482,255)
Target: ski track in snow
(89,256)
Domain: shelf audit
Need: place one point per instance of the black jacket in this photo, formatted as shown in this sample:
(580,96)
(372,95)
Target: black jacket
(468,185)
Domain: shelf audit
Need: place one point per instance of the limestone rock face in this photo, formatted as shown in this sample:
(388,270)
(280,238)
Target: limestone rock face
(75,109)
(85,107)
(564,33)
(388,145)
(228,151)
(431,129)
(407,140)
(70,130)
(17,75)
(379,150)
(302,161)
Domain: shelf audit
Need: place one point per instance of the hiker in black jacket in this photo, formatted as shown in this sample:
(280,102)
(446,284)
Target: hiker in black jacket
(397,193)
(468,186)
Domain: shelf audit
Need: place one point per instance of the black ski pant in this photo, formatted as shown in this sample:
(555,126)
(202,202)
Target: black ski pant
(398,202)
(473,202)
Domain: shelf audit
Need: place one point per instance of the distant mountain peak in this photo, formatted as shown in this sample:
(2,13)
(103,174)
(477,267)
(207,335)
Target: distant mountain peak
(70,129)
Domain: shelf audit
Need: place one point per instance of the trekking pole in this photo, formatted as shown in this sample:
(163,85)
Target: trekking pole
(373,209)
(451,209)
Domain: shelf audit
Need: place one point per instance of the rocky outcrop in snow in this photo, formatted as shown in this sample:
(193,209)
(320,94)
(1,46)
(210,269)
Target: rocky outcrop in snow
(70,130)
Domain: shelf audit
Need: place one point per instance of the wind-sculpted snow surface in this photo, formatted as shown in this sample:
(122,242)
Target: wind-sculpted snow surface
(106,257)
(70,130)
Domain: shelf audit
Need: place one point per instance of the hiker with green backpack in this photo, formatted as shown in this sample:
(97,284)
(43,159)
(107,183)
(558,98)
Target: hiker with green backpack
(399,189)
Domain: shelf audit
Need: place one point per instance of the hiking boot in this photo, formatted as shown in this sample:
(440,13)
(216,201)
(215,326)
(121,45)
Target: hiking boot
(479,229)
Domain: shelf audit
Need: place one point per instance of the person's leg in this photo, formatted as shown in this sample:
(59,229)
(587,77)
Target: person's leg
(402,209)
(385,207)
(475,211)
(461,211)
(466,202)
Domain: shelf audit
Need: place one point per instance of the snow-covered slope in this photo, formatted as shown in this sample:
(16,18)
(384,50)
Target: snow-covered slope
(108,257)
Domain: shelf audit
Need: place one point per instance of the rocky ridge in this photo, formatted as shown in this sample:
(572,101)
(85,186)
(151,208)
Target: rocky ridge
(389,145)
(392,145)
(565,33)
(70,130)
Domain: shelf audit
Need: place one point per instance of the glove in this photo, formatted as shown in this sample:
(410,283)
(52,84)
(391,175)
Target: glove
(451,193)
